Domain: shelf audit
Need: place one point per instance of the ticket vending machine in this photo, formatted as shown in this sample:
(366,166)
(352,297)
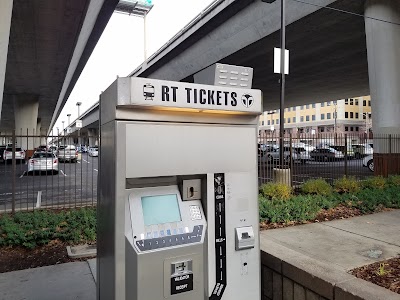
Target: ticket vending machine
(178,192)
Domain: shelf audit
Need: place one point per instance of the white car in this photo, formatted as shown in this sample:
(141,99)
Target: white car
(67,153)
(368,162)
(19,154)
(43,161)
(94,151)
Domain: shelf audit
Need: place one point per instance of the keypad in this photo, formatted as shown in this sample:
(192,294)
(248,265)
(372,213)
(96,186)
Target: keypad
(195,213)
(171,240)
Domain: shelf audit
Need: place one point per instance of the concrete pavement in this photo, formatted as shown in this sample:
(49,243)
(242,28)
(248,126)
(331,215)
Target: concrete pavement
(325,250)
(318,256)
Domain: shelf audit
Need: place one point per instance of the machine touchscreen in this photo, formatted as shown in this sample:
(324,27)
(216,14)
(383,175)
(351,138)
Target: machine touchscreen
(160,209)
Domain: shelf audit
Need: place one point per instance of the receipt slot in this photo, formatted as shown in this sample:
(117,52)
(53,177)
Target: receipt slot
(177,196)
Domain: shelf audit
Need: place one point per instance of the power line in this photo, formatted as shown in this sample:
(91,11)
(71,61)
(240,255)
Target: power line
(346,12)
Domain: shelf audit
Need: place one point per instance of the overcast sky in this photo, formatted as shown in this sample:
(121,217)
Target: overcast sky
(120,49)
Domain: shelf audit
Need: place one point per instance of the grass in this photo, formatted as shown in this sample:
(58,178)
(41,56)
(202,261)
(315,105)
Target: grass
(30,229)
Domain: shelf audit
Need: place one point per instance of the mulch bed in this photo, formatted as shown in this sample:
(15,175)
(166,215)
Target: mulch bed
(19,258)
(389,277)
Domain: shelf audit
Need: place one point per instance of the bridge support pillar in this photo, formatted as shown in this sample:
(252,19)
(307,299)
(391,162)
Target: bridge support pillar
(26,113)
(383,48)
(92,137)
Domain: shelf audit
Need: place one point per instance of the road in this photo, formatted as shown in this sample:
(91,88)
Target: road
(75,184)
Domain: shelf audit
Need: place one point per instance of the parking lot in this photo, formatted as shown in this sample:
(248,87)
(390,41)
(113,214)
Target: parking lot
(74,185)
(311,169)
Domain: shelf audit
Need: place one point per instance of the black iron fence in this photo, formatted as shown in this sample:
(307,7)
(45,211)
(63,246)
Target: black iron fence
(52,171)
(327,156)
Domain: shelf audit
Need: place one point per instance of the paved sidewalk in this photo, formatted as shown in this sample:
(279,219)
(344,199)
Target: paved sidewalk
(68,281)
(328,250)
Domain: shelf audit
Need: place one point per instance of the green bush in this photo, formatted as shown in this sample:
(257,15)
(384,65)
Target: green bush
(346,185)
(376,182)
(317,187)
(30,229)
(393,180)
(276,191)
(372,200)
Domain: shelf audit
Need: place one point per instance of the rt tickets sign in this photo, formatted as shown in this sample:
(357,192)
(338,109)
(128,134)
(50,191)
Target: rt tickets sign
(160,93)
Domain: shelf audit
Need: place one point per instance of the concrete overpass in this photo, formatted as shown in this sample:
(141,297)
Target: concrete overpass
(44,46)
(339,49)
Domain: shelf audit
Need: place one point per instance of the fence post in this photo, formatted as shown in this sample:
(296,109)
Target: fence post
(13,170)
(345,154)
(291,159)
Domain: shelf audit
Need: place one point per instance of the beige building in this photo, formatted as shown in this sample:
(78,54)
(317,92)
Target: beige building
(351,116)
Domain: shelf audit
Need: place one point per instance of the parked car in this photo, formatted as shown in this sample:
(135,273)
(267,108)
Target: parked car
(53,149)
(43,161)
(368,162)
(94,151)
(298,154)
(19,154)
(42,148)
(362,150)
(82,149)
(349,153)
(326,154)
(2,149)
(67,153)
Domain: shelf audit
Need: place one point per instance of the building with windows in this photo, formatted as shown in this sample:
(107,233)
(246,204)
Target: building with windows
(351,116)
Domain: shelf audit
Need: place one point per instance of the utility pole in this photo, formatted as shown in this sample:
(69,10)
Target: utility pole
(282,102)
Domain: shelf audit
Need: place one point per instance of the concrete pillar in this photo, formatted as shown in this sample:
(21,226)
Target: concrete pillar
(5,24)
(26,113)
(383,48)
(92,137)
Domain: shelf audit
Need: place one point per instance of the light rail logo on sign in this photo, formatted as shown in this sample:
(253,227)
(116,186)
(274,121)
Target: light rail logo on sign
(169,94)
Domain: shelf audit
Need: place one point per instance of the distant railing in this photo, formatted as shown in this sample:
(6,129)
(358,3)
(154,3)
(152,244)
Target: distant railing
(324,155)
(52,171)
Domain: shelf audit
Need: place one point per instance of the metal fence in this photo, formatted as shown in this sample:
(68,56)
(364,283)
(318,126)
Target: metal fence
(327,156)
(40,172)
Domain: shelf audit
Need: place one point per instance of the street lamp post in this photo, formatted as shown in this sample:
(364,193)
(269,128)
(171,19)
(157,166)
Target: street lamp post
(78,104)
(69,120)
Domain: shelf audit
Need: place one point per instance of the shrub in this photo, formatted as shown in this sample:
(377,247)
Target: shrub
(276,191)
(393,180)
(346,185)
(39,227)
(317,187)
(376,182)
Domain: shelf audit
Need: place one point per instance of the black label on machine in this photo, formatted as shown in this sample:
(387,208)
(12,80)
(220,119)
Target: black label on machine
(220,237)
(181,283)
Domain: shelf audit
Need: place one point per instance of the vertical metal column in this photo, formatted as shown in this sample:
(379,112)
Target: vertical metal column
(282,102)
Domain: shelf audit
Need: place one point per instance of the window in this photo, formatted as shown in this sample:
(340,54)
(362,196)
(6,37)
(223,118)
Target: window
(364,116)
(313,117)
(269,122)
(346,128)
(346,101)
(322,116)
(322,129)
(294,119)
(369,103)
(364,102)
(262,123)
(307,118)
(357,128)
(313,105)
(346,115)
(328,103)
(356,115)
(351,115)
(356,101)
(322,104)
(328,116)
(351,101)
(288,120)
(277,121)
(301,119)
(302,107)
(307,106)
(351,128)
(272,122)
